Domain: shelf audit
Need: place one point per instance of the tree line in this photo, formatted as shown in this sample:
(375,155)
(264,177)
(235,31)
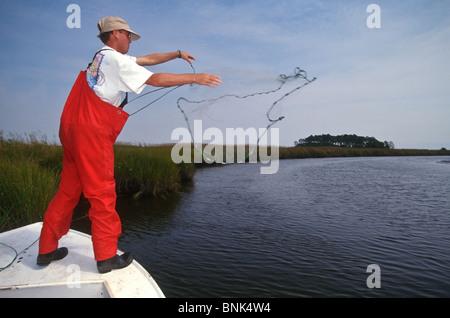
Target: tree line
(351,141)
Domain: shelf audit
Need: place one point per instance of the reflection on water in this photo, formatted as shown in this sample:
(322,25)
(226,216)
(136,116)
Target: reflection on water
(311,230)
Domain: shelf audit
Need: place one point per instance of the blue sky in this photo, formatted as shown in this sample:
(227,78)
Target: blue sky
(391,83)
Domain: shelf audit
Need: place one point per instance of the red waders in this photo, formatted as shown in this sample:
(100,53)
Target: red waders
(89,127)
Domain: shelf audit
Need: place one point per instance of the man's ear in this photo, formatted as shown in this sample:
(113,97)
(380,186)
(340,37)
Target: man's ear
(115,33)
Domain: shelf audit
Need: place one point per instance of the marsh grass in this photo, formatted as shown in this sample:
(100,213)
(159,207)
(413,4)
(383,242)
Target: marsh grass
(149,170)
(327,152)
(303,152)
(29,179)
(30,170)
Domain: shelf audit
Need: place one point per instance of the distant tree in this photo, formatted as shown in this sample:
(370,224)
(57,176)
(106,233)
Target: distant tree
(352,141)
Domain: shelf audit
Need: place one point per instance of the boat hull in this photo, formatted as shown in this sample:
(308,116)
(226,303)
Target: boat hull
(75,276)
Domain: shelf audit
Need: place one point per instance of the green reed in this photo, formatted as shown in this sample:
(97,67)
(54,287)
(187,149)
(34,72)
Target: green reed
(29,179)
(30,169)
(149,170)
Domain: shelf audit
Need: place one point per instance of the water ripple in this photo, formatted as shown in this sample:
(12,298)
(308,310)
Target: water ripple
(311,230)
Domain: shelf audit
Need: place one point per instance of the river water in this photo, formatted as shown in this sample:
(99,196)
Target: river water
(310,230)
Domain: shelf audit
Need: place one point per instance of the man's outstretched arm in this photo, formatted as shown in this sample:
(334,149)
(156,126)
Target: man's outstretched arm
(158,58)
(167,79)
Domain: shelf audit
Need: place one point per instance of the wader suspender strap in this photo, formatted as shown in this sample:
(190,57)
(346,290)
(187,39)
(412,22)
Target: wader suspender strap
(125,100)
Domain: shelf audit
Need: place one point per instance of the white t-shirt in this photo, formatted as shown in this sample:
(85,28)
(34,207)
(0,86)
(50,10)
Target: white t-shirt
(112,73)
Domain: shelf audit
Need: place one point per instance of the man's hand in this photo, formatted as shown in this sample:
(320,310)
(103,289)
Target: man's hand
(207,80)
(187,57)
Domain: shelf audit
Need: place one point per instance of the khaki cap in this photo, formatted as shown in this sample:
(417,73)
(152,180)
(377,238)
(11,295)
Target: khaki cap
(111,23)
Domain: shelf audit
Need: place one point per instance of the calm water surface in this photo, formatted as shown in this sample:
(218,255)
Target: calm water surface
(311,230)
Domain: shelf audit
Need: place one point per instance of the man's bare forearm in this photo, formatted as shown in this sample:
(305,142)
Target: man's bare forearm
(158,58)
(167,79)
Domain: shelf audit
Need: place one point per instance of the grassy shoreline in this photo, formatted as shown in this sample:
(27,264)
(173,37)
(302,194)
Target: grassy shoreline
(30,172)
(301,152)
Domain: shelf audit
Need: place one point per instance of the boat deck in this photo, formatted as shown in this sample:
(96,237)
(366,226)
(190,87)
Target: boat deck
(75,276)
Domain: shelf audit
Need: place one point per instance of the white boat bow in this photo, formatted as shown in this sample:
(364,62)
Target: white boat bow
(74,276)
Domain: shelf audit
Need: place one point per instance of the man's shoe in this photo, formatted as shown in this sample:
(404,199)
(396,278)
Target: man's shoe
(115,262)
(56,255)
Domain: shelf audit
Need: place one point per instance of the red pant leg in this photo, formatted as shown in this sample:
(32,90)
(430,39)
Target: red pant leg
(59,212)
(94,156)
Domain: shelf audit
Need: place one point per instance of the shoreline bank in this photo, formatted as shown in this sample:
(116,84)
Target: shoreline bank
(302,152)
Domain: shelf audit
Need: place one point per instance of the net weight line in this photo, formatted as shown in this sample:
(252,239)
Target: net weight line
(298,74)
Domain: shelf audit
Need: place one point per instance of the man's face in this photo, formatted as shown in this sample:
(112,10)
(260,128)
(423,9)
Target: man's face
(124,40)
